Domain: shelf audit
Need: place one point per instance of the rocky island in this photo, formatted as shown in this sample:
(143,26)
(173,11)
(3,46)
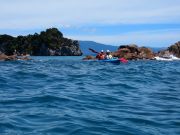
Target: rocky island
(48,43)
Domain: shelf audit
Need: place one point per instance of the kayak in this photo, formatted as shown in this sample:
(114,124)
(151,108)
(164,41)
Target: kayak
(110,60)
(115,60)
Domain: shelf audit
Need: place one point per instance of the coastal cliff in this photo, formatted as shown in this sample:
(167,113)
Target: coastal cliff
(48,43)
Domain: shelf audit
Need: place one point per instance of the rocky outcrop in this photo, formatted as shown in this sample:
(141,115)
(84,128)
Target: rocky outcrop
(48,43)
(175,49)
(89,58)
(4,57)
(133,52)
(172,50)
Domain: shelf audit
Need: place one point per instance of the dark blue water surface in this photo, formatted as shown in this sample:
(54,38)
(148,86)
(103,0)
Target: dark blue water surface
(68,96)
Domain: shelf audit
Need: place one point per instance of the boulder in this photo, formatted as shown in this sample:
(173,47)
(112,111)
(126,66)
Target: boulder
(133,52)
(172,50)
(4,57)
(175,49)
(89,58)
(146,53)
(163,53)
(132,48)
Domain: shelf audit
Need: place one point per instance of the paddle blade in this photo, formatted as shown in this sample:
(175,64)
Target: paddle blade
(92,50)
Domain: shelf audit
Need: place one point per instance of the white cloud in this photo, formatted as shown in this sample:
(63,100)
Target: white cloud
(24,16)
(156,38)
(21,14)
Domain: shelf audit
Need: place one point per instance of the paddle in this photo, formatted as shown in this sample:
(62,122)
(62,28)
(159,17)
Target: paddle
(92,50)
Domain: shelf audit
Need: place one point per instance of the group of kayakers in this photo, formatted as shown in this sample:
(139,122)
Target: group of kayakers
(104,55)
(107,56)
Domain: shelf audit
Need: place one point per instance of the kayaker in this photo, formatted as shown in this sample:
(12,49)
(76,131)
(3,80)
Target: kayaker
(108,55)
(101,55)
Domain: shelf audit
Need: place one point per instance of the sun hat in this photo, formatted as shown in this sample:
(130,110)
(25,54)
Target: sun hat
(107,51)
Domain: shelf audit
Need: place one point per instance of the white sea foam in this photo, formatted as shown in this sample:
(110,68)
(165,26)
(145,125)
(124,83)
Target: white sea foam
(169,58)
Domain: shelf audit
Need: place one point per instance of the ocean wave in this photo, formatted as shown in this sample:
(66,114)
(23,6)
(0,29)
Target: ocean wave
(70,96)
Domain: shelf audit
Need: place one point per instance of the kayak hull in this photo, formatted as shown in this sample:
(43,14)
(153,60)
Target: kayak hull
(111,60)
(118,60)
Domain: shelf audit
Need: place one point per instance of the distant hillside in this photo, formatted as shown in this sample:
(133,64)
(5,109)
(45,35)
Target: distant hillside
(158,49)
(85,45)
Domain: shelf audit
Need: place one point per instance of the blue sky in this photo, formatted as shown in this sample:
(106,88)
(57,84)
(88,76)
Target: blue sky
(154,23)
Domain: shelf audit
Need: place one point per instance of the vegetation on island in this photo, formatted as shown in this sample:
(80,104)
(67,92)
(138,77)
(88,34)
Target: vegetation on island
(48,43)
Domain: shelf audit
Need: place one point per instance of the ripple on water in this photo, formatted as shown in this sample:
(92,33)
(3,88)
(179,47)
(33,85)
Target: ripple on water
(68,96)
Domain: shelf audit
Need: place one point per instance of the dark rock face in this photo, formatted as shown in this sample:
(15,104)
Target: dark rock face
(175,49)
(133,52)
(48,43)
(132,48)
(163,53)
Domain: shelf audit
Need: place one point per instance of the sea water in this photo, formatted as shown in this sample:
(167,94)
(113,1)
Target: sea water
(68,96)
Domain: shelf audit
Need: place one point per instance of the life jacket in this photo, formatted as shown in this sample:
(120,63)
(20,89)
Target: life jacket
(100,56)
(109,56)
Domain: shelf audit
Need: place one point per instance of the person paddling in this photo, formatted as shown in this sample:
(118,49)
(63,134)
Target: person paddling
(101,55)
(108,55)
